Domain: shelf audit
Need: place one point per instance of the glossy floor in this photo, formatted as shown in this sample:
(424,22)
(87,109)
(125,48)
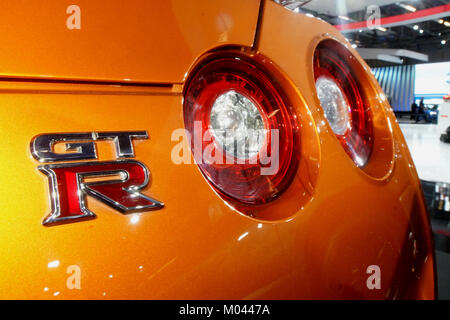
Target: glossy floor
(430,155)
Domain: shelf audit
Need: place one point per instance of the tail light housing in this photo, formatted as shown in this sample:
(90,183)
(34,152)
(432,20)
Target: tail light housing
(244,133)
(343,101)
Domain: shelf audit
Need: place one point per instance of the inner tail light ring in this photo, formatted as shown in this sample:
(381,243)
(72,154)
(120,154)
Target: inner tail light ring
(255,92)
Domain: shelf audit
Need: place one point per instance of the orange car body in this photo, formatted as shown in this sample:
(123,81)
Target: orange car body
(125,69)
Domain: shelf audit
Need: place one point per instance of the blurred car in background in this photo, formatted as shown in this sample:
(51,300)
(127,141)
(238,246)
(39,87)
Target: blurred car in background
(431,113)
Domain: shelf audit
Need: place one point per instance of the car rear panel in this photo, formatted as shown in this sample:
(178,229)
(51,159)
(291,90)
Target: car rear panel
(357,218)
(181,250)
(145,41)
(198,246)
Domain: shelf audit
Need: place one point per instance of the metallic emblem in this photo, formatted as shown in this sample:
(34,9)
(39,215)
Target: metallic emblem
(42,145)
(115,183)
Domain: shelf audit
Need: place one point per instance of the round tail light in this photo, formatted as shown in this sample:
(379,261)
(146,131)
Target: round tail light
(244,136)
(344,103)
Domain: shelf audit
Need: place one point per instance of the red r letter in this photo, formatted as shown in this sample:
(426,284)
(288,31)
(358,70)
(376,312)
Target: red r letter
(68,189)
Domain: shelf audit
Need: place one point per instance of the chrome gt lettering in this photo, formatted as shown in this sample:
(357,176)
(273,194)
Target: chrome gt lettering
(42,146)
(122,141)
(115,183)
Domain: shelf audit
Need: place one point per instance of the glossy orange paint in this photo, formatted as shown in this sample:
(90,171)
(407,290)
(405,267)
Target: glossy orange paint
(142,41)
(315,241)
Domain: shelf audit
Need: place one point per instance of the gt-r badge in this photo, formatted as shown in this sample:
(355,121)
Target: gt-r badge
(115,183)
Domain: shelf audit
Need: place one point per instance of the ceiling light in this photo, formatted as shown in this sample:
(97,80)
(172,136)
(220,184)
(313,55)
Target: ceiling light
(293,5)
(406,7)
(421,31)
(447,24)
(382,29)
(416,27)
(344,18)
(441,21)
(409,8)
(443,42)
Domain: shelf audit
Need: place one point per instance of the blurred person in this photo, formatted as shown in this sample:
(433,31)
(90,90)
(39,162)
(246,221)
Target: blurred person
(414,110)
(421,110)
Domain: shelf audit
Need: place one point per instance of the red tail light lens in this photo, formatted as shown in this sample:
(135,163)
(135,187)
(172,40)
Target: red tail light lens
(344,102)
(244,135)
